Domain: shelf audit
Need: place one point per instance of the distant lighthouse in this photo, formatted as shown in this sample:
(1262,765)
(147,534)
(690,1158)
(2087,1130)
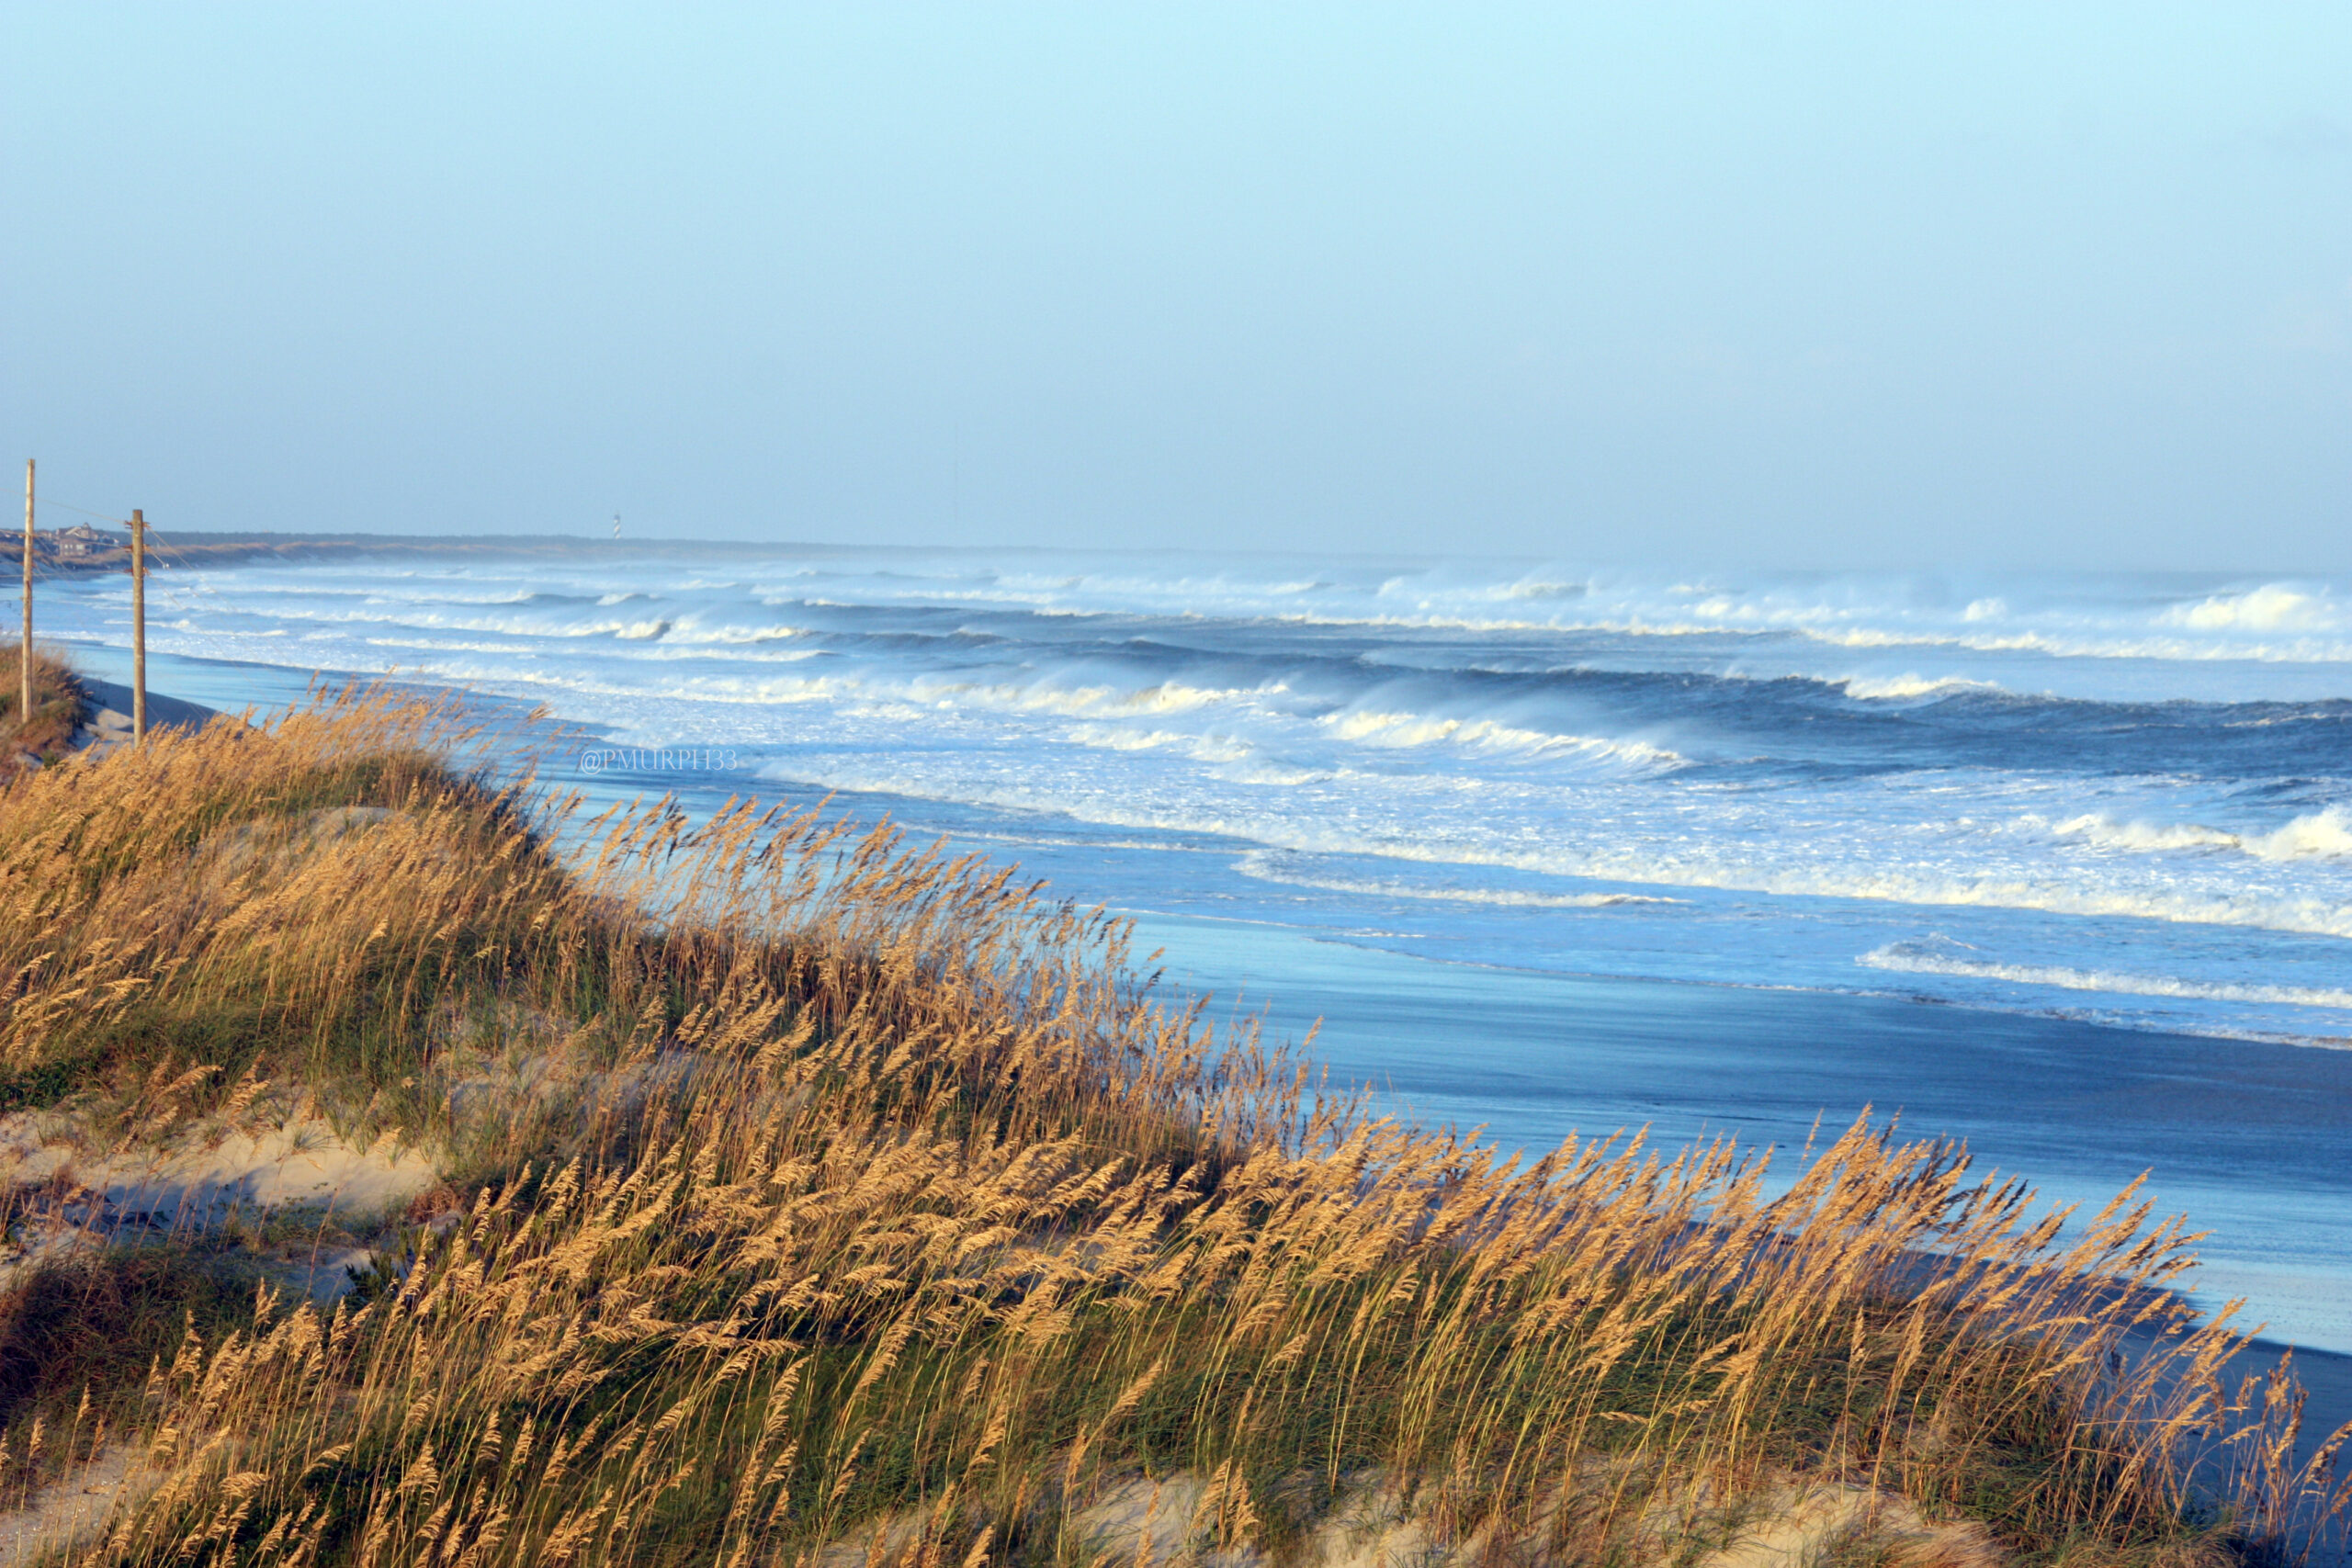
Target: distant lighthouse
(616,524)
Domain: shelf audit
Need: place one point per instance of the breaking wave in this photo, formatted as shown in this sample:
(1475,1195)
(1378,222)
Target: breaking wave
(2325,834)
(2080,755)
(1911,958)
(1271,866)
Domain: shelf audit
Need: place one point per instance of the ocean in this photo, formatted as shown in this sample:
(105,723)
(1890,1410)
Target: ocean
(2061,865)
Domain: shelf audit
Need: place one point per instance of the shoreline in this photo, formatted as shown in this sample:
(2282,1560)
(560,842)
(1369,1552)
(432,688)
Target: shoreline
(1533,1053)
(2325,1378)
(168,553)
(174,549)
(932,1130)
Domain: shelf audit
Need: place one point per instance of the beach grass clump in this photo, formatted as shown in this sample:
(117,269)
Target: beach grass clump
(813,1197)
(45,732)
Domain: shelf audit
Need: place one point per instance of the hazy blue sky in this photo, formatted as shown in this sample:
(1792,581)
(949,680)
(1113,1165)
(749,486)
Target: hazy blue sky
(1871,283)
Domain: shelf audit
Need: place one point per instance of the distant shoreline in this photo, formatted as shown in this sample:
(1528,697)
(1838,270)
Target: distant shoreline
(186,547)
(187,550)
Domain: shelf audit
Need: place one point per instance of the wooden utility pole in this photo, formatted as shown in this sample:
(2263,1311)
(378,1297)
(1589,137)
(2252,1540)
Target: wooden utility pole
(25,657)
(138,628)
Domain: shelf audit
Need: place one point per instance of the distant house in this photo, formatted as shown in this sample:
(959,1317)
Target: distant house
(81,541)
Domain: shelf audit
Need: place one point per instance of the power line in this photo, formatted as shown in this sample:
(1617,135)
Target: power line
(55,569)
(157,544)
(154,539)
(101,517)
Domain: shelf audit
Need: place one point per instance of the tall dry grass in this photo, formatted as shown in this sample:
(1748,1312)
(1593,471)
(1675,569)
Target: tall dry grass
(884,1191)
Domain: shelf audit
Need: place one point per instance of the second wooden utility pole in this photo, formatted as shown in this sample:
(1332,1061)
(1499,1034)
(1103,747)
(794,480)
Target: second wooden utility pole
(138,627)
(25,657)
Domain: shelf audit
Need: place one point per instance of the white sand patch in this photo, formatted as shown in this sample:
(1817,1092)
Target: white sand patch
(1797,1525)
(1145,1521)
(70,1200)
(1142,1520)
(199,1182)
(1369,1528)
(75,1509)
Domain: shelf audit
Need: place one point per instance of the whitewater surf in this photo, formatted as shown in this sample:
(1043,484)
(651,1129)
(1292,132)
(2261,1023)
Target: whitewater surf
(2099,809)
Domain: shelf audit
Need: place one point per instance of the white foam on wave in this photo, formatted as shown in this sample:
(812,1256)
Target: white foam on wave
(1276,775)
(665,649)
(2320,833)
(1046,696)
(419,643)
(1267,867)
(911,698)
(2278,622)
(1093,700)
(737,637)
(1181,584)
(689,628)
(671,650)
(1408,832)
(2090,644)
(1200,747)
(1408,729)
(2272,623)
(1489,783)
(1911,958)
(1870,688)
(418,621)
(2102,831)
(191,626)
(2270,608)
(2324,834)
(2056,893)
